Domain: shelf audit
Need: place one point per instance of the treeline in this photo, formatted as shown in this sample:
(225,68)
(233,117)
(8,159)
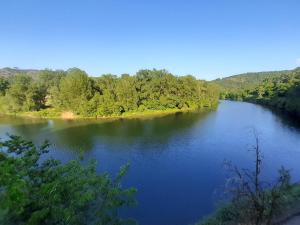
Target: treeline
(282,91)
(108,95)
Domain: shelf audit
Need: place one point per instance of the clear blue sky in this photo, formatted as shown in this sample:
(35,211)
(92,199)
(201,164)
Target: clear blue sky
(208,39)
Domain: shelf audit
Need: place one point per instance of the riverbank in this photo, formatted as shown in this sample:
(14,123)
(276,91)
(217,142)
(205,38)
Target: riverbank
(275,107)
(68,115)
(291,109)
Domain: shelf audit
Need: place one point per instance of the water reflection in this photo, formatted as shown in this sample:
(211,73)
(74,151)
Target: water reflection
(82,134)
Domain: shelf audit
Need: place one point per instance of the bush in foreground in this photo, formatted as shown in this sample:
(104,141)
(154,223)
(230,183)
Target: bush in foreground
(35,191)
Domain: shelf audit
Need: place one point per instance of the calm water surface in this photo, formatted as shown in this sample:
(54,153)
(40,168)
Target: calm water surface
(176,160)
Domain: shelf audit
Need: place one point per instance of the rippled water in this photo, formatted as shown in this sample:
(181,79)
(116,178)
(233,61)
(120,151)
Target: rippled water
(176,160)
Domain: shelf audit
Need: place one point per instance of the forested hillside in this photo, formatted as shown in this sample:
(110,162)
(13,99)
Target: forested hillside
(148,90)
(280,89)
(248,80)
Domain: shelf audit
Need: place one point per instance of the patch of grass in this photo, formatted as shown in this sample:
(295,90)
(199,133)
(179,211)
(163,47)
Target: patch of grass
(44,113)
(57,114)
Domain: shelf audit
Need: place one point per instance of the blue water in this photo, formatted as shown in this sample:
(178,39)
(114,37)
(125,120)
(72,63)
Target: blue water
(176,160)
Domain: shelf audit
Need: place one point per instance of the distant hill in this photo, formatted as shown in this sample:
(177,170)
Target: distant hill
(233,83)
(277,89)
(249,80)
(8,72)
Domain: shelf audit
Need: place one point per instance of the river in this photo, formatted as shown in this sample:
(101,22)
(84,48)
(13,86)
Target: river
(176,160)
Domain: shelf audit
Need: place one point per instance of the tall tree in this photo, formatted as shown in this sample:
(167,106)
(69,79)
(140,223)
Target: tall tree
(75,90)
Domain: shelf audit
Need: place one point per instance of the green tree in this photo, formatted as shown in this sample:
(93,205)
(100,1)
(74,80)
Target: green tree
(3,86)
(74,91)
(16,94)
(50,78)
(126,94)
(35,97)
(35,191)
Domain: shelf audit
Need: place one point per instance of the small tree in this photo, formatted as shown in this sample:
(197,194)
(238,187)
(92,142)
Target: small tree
(254,200)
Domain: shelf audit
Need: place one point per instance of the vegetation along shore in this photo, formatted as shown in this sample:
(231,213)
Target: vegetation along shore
(277,89)
(73,94)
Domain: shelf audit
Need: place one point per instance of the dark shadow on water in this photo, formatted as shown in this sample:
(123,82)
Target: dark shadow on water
(126,132)
(285,118)
(82,134)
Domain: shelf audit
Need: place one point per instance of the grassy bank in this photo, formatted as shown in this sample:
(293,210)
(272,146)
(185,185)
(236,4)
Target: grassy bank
(56,114)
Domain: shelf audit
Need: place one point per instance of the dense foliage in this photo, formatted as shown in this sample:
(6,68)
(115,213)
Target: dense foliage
(35,190)
(108,95)
(282,92)
(279,89)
